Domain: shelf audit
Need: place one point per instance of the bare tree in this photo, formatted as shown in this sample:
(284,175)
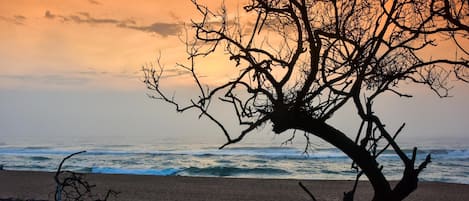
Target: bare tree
(301,61)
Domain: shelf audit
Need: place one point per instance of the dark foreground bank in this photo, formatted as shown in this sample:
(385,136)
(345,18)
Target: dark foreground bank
(25,185)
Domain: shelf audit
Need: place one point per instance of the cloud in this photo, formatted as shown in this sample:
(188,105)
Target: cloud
(69,78)
(159,28)
(91,72)
(174,72)
(49,15)
(82,17)
(94,2)
(54,79)
(17,19)
(174,16)
(163,29)
(57,78)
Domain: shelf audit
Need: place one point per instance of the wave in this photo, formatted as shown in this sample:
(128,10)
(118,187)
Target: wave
(108,170)
(259,152)
(39,158)
(450,154)
(219,171)
(200,152)
(37,147)
(216,171)
(222,171)
(34,151)
(28,167)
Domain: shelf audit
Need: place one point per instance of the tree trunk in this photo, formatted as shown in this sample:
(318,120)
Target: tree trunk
(338,139)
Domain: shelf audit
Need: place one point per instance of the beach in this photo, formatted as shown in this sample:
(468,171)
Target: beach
(30,185)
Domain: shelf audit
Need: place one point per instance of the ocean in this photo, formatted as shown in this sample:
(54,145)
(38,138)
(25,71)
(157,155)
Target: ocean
(450,160)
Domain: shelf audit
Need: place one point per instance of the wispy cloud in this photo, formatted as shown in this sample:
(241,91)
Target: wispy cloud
(94,2)
(70,78)
(97,74)
(91,72)
(163,29)
(17,19)
(169,73)
(174,16)
(54,79)
(84,17)
(160,28)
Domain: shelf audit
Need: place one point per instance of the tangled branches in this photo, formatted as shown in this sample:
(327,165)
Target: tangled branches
(302,61)
(72,186)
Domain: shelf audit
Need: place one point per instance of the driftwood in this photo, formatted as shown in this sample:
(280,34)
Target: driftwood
(72,186)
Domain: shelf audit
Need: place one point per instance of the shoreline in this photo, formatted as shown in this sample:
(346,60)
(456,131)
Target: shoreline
(27,185)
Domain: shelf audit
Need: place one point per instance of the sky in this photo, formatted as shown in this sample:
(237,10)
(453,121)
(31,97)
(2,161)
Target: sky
(72,69)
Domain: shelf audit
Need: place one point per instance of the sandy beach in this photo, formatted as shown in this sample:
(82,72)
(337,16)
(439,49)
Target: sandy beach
(40,186)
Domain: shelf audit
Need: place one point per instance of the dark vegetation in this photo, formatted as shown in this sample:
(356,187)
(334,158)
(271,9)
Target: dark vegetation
(301,61)
(73,186)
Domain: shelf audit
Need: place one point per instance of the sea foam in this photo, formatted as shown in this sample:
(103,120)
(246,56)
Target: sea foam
(108,170)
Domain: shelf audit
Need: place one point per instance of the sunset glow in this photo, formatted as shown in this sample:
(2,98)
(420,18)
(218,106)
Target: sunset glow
(100,46)
(87,44)
(271,90)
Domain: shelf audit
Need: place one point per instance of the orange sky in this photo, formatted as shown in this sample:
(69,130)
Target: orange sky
(100,45)
(88,43)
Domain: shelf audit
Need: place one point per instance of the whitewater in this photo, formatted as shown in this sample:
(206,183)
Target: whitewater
(449,163)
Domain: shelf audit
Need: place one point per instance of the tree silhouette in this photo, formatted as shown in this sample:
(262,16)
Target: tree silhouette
(72,186)
(301,61)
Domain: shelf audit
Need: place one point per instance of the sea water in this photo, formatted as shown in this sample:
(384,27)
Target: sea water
(450,161)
